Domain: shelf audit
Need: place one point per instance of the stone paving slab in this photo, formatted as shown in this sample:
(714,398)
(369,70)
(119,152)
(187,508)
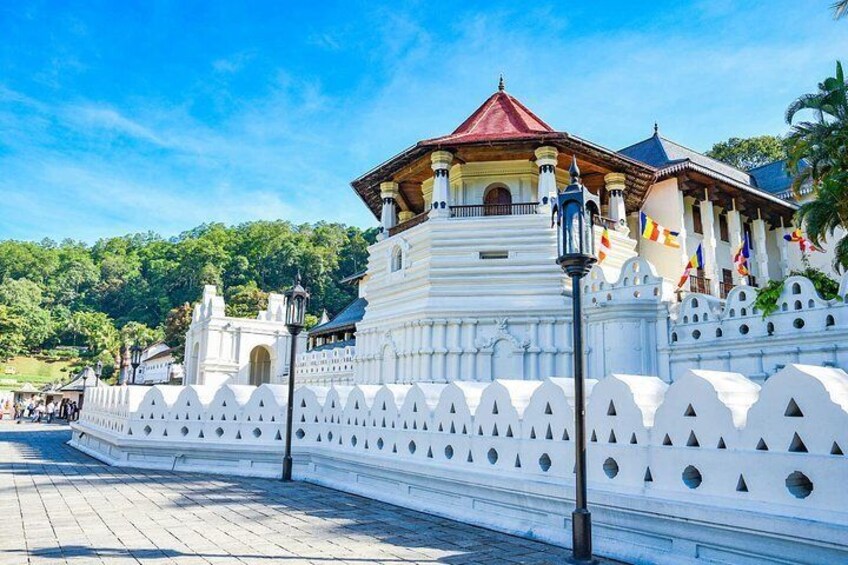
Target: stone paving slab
(60,506)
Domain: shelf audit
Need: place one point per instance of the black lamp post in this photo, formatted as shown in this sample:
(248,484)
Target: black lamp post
(135,359)
(296,301)
(98,369)
(575,212)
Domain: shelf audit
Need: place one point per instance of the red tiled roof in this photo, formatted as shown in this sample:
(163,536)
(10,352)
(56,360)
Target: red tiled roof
(501,117)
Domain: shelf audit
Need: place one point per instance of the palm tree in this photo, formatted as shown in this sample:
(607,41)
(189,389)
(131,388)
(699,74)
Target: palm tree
(839,9)
(818,157)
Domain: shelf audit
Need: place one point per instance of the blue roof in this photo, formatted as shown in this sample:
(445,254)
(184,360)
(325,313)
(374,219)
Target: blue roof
(336,345)
(347,318)
(775,177)
(660,152)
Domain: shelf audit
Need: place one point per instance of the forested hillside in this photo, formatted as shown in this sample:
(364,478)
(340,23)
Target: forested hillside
(139,287)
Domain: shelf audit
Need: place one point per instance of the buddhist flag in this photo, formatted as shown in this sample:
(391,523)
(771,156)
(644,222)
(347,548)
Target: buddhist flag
(740,258)
(655,232)
(605,248)
(695,262)
(803,243)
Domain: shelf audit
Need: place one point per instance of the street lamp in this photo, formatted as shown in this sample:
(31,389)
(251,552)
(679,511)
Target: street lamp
(575,212)
(135,359)
(296,301)
(98,369)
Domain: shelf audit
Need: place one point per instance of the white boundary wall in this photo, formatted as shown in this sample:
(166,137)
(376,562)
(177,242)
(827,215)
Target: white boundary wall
(711,468)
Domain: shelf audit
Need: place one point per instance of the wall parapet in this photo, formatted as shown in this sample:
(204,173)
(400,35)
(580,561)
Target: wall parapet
(713,441)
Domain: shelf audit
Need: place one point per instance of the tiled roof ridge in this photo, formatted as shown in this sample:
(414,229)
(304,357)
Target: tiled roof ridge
(687,148)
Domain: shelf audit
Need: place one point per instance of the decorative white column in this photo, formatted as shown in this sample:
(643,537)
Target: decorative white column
(546,159)
(760,252)
(681,214)
(389,194)
(708,245)
(734,223)
(615,189)
(441,161)
(454,350)
(783,246)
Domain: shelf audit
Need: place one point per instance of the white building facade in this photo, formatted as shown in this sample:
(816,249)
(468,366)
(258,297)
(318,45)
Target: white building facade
(222,349)
(463,284)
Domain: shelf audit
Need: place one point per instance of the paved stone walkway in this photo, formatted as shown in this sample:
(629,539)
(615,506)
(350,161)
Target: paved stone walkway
(60,506)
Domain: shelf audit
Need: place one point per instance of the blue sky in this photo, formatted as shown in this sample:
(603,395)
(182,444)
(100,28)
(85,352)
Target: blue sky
(119,117)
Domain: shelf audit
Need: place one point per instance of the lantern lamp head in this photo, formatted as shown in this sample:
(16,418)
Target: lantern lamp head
(296,301)
(98,368)
(135,355)
(574,214)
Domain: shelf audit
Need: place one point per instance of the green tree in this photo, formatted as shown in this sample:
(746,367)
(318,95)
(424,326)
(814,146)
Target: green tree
(175,327)
(98,331)
(820,145)
(12,341)
(244,301)
(23,301)
(748,153)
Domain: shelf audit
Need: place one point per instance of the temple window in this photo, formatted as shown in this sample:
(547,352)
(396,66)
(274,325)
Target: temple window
(697,223)
(723,230)
(497,201)
(397,259)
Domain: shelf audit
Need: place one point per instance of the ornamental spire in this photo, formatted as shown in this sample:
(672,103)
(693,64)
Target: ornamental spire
(656,128)
(501,85)
(574,170)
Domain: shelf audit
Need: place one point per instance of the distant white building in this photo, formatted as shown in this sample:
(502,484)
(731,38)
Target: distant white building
(224,350)
(158,366)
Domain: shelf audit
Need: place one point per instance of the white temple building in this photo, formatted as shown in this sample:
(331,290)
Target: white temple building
(463,284)
(714,434)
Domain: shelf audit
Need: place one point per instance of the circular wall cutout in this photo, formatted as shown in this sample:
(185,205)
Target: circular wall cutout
(610,467)
(799,485)
(692,477)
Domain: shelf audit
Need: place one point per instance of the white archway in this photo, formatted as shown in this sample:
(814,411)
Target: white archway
(260,365)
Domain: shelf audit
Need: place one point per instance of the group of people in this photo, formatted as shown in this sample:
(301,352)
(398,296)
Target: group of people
(37,410)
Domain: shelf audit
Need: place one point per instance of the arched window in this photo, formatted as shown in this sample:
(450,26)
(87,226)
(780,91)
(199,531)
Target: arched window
(497,201)
(397,259)
(260,365)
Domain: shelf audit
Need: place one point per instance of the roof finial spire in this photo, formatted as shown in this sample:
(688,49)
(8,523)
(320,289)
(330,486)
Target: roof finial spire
(501,85)
(574,170)
(656,128)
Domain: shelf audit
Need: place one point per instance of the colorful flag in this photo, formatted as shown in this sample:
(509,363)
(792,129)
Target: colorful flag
(740,258)
(655,232)
(803,243)
(695,262)
(605,248)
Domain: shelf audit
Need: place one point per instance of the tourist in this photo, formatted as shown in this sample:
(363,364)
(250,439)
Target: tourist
(39,412)
(51,411)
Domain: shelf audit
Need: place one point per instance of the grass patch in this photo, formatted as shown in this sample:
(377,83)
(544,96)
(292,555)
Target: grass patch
(37,370)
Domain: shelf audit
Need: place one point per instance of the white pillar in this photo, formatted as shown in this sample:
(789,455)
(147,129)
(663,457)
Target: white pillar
(708,245)
(734,223)
(783,245)
(615,189)
(389,193)
(760,252)
(546,159)
(441,161)
(681,214)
